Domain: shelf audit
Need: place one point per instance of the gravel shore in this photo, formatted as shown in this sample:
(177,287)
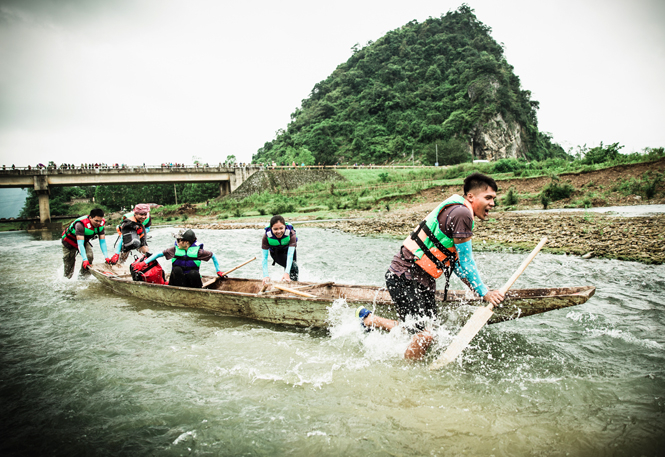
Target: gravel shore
(639,239)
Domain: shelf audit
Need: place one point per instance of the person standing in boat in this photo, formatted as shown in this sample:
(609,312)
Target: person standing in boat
(133,233)
(186,257)
(76,240)
(438,246)
(280,241)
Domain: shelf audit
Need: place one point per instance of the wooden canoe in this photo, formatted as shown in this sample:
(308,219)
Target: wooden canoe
(241,298)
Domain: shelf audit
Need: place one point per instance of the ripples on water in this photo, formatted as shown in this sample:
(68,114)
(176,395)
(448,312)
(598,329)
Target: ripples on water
(87,372)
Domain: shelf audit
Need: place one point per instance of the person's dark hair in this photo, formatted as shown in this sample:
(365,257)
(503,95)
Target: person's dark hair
(478,181)
(276,218)
(189,236)
(97,212)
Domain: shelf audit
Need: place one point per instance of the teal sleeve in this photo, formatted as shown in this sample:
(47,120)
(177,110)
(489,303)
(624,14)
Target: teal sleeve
(147,230)
(81,244)
(466,268)
(214,260)
(289,259)
(119,248)
(102,246)
(265,262)
(154,257)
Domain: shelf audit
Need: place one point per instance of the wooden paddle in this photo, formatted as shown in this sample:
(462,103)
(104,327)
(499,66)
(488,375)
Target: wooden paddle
(241,265)
(293,291)
(479,318)
(212,280)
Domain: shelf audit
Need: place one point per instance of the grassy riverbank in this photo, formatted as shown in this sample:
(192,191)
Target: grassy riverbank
(392,204)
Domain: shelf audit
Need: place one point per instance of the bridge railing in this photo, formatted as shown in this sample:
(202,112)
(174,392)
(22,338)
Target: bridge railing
(121,169)
(103,168)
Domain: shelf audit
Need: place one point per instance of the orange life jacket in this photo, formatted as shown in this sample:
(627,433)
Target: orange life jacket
(434,252)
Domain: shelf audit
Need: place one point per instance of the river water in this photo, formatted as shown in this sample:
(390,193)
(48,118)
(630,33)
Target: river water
(87,372)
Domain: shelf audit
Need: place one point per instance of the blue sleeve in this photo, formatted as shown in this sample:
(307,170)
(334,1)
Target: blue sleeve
(81,244)
(289,259)
(214,260)
(265,262)
(466,268)
(102,246)
(119,248)
(154,257)
(147,230)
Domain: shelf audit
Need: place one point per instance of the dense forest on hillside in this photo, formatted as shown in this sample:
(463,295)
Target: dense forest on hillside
(422,87)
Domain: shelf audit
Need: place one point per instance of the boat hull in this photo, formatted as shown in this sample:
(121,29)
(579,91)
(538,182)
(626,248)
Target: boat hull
(240,297)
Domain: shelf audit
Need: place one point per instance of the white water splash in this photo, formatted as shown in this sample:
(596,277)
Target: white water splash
(375,345)
(185,436)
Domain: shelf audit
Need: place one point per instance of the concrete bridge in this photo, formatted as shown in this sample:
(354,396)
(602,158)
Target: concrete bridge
(42,179)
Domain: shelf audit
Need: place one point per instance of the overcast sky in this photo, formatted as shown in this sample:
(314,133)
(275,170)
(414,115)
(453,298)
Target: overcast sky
(152,81)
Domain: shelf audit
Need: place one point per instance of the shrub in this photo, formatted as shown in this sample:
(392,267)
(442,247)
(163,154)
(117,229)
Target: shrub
(545,200)
(510,198)
(585,202)
(508,166)
(237,212)
(384,177)
(650,187)
(601,154)
(646,186)
(185,217)
(262,211)
(283,207)
(555,191)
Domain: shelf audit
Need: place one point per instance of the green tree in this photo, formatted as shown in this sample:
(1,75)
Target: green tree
(450,152)
(418,84)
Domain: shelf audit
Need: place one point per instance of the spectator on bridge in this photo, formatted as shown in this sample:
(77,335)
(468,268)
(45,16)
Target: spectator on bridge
(132,233)
(76,239)
(280,241)
(186,257)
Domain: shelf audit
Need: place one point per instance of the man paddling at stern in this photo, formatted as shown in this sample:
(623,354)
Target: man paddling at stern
(76,239)
(439,245)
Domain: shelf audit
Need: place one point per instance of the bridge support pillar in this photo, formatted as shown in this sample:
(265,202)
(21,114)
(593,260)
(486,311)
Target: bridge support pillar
(224,188)
(44,207)
(41,187)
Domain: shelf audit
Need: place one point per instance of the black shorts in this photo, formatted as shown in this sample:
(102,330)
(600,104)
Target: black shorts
(411,298)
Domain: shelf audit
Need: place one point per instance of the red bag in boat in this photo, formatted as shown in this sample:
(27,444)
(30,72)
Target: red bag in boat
(153,273)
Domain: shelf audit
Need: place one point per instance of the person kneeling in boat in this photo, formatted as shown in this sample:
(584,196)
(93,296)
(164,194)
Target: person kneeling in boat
(76,239)
(280,241)
(133,233)
(186,257)
(440,244)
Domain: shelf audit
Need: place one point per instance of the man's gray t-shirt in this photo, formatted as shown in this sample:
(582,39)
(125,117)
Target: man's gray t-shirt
(456,221)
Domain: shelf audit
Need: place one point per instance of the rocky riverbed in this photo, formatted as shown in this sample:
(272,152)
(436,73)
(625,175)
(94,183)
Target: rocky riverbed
(639,239)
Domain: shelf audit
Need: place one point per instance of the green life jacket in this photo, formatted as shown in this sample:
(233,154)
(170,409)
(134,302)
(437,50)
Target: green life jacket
(432,223)
(273,242)
(187,259)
